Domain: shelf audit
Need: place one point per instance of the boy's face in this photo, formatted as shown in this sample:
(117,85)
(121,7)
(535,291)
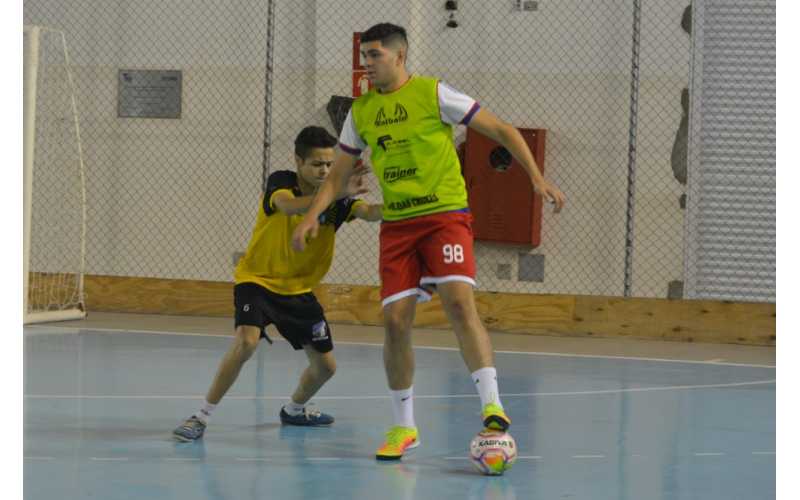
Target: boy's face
(382,63)
(314,169)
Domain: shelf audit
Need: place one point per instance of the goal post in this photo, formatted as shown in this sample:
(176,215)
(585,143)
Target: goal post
(54,211)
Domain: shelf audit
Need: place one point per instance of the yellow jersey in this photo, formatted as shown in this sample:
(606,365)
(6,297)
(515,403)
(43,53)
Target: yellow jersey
(270,260)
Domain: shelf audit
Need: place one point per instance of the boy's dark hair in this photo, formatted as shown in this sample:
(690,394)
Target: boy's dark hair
(386,33)
(312,137)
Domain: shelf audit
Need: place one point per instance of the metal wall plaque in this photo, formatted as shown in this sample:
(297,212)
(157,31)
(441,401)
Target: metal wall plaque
(149,93)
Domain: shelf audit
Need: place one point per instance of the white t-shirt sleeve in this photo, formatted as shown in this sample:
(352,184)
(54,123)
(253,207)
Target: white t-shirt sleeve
(349,140)
(456,108)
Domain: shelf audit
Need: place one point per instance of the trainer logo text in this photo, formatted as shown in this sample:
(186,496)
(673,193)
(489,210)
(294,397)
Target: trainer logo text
(394,174)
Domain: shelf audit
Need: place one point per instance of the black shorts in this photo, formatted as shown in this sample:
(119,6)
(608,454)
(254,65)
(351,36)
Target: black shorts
(299,318)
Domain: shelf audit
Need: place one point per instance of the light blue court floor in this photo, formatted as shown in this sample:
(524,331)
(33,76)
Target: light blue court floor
(100,407)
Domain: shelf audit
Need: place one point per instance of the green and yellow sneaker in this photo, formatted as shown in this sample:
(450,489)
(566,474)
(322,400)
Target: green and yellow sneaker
(398,440)
(495,418)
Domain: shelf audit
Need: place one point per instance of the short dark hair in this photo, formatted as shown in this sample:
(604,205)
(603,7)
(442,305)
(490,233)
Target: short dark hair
(312,137)
(386,33)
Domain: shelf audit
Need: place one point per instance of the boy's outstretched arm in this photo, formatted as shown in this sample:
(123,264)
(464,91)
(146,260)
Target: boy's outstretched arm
(289,204)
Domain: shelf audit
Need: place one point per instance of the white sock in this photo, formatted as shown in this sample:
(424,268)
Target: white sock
(204,413)
(403,407)
(293,408)
(485,381)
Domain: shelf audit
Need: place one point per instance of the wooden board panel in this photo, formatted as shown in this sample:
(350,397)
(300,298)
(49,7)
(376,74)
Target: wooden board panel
(158,296)
(567,315)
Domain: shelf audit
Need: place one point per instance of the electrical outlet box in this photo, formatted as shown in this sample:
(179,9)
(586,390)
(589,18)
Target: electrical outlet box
(531,268)
(503,271)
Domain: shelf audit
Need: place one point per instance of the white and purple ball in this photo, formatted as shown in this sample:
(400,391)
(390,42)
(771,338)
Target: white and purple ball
(493,452)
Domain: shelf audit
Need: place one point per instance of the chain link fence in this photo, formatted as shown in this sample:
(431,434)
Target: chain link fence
(167,198)
(651,211)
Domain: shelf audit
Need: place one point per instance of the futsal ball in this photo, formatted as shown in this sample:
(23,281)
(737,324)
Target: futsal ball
(493,452)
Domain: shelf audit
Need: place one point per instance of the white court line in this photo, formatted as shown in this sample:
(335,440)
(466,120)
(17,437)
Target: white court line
(763,453)
(109,459)
(519,457)
(588,456)
(416,396)
(181,459)
(708,454)
(432,348)
(40,458)
(641,389)
(308,459)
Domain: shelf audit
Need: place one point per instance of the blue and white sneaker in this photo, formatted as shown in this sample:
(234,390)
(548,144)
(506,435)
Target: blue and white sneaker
(309,417)
(190,430)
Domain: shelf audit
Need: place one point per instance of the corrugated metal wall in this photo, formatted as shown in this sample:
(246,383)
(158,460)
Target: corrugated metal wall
(730,227)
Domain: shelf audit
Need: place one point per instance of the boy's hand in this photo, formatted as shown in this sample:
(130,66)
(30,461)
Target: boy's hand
(306,230)
(551,194)
(355,184)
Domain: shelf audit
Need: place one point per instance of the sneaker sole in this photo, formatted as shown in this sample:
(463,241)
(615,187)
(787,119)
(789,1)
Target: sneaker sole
(306,425)
(183,439)
(496,423)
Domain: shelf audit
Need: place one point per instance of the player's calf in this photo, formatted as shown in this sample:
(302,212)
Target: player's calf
(323,367)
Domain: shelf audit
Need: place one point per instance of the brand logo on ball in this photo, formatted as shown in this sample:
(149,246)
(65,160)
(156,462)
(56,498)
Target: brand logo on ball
(496,442)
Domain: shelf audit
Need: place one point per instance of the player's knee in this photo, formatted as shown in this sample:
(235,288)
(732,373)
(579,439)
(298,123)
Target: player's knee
(459,310)
(397,324)
(246,342)
(326,367)
(246,348)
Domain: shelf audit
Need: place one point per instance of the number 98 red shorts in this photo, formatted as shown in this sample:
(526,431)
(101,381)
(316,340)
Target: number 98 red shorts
(417,254)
